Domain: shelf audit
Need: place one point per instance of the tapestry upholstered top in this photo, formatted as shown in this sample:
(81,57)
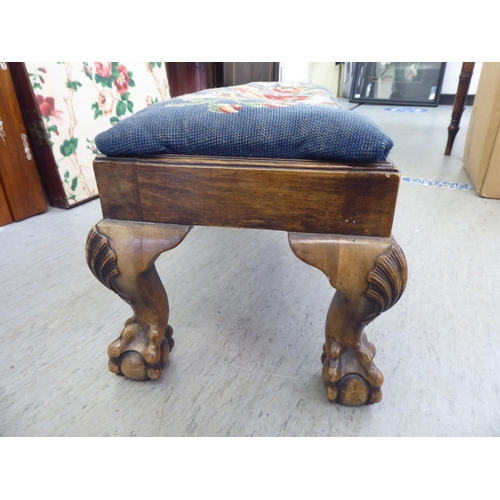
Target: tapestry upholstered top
(265,120)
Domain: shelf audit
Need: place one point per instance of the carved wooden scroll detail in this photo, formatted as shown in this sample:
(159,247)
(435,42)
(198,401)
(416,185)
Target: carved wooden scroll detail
(387,281)
(101,259)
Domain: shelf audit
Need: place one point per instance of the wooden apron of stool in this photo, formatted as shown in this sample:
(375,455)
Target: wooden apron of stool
(339,218)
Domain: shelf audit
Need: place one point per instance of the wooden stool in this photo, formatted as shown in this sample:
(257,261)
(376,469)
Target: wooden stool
(338,216)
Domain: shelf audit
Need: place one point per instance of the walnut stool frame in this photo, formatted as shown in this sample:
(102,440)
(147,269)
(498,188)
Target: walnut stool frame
(338,217)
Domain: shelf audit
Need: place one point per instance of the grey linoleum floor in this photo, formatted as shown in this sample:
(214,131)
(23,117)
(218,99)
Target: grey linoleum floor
(248,318)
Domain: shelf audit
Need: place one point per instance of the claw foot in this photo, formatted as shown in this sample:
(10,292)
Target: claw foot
(349,375)
(141,351)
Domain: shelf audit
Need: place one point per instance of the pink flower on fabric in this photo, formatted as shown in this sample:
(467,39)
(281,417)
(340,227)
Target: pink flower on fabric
(106,101)
(121,82)
(285,96)
(47,106)
(230,108)
(103,69)
(289,90)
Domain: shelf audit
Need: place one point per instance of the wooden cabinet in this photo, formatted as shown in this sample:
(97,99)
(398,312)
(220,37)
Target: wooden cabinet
(21,191)
(239,73)
(189,77)
(42,150)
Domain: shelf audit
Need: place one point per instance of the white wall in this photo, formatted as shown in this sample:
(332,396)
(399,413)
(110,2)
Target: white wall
(295,72)
(452,73)
(326,74)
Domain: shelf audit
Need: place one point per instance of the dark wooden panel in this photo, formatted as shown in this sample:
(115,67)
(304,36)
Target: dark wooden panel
(238,73)
(288,195)
(18,173)
(41,148)
(5,215)
(189,77)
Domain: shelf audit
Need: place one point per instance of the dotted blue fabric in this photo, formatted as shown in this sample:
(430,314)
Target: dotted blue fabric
(266,120)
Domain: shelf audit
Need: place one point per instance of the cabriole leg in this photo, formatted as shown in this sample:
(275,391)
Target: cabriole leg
(370,276)
(121,256)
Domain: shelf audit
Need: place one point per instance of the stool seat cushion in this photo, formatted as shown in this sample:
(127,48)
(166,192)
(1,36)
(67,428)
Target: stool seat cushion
(265,120)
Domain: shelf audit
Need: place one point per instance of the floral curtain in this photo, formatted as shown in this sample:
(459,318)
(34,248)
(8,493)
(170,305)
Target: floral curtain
(78,100)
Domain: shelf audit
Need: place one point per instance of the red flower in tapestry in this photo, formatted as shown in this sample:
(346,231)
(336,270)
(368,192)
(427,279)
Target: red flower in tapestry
(284,96)
(288,90)
(230,108)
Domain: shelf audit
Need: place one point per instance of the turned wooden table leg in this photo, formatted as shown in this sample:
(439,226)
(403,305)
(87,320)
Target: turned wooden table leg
(370,276)
(121,256)
(459,104)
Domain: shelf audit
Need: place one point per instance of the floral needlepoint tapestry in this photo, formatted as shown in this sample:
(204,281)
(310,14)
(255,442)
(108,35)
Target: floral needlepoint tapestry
(78,100)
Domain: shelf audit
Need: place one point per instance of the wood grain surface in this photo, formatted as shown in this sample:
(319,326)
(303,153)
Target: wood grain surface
(459,104)
(5,215)
(289,195)
(18,174)
(41,148)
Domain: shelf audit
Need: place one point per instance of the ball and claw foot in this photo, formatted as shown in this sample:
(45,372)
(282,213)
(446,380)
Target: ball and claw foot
(349,375)
(141,351)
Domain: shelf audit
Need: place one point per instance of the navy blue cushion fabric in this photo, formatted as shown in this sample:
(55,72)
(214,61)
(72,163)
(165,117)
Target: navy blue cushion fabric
(265,120)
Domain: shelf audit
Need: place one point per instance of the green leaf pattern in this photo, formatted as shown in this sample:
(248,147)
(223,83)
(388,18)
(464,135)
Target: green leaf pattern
(112,81)
(73,184)
(63,92)
(69,146)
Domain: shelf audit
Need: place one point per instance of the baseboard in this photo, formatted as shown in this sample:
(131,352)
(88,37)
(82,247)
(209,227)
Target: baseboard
(450,99)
